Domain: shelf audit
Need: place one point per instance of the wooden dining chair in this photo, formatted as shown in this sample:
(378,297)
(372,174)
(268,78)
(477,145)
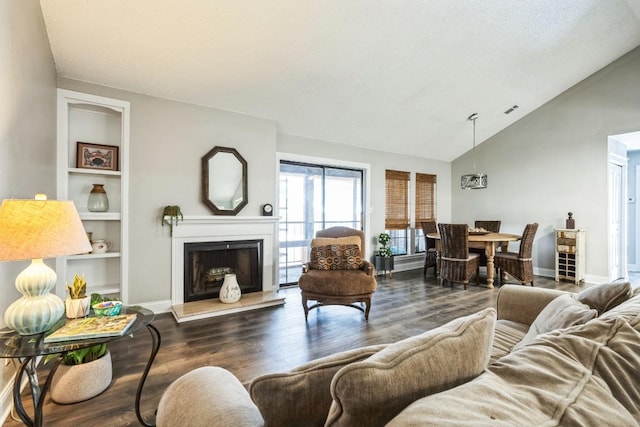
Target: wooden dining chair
(456,263)
(489,225)
(518,264)
(430,260)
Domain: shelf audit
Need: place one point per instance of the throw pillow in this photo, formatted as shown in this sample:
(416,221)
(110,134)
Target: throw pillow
(335,257)
(605,297)
(302,396)
(330,241)
(562,312)
(373,391)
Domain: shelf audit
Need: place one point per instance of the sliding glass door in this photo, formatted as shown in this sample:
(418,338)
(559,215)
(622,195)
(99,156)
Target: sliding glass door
(312,198)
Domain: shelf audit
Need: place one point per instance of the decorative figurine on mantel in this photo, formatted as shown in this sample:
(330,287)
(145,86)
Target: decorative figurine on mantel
(571,223)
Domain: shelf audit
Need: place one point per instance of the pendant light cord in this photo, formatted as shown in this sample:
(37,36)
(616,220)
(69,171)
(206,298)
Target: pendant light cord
(473,118)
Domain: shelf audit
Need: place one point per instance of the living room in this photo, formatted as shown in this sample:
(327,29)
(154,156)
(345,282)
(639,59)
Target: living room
(552,160)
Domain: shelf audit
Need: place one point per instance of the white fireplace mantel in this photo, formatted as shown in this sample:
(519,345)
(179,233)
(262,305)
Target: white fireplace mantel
(197,229)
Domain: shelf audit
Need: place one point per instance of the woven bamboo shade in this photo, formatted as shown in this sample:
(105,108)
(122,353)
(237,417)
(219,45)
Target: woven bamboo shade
(397,200)
(425,198)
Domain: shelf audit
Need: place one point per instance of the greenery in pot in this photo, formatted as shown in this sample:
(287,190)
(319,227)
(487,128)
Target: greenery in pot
(174,214)
(385,250)
(77,305)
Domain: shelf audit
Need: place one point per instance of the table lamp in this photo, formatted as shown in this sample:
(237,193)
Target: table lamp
(34,230)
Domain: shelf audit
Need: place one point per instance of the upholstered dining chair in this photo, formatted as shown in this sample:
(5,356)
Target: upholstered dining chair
(430,260)
(457,264)
(518,264)
(489,225)
(337,273)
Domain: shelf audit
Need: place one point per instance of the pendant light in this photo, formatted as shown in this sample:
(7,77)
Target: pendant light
(473,181)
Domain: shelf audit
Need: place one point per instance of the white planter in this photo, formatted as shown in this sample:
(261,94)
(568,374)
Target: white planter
(77,307)
(230,290)
(75,383)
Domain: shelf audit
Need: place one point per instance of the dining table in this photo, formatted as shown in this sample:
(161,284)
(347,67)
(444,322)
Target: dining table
(487,240)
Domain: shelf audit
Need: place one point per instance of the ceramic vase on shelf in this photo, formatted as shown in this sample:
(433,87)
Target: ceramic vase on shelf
(230,290)
(98,200)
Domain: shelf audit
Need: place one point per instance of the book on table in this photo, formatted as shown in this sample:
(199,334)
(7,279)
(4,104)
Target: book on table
(92,327)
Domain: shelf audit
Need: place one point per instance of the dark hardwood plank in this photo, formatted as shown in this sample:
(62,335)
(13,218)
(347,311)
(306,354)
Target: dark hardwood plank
(269,340)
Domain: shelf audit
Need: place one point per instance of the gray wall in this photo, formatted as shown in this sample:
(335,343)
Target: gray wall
(168,139)
(27,123)
(554,160)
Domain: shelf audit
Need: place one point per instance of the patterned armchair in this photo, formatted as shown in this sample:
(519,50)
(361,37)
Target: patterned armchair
(336,273)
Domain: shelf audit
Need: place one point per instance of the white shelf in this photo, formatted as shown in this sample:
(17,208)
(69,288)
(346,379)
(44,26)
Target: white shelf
(94,256)
(80,171)
(100,216)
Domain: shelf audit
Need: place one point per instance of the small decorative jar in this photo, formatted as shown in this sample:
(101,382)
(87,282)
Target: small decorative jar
(570,223)
(230,290)
(98,201)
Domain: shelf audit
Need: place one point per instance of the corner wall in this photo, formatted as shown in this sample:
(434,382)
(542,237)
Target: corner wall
(27,131)
(554,160)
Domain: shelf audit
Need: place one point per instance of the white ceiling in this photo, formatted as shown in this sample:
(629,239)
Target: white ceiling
(394,75)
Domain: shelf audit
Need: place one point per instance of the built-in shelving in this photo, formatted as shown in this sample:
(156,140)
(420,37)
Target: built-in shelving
(105,121)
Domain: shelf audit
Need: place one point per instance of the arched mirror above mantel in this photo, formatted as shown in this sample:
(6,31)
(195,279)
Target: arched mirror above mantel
(224,181)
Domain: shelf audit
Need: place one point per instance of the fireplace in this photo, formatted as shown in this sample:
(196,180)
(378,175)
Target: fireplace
(207,263)
(222,229)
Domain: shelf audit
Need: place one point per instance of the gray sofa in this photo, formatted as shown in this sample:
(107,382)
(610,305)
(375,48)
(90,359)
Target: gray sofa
(543,357)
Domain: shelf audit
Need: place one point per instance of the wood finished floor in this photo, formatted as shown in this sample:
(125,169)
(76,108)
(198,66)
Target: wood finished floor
(268,340)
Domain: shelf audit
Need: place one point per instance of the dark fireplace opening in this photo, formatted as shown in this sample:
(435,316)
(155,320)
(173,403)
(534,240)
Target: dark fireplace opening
(206,263)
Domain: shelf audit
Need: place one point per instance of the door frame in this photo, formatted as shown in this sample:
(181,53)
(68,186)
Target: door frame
(617,160)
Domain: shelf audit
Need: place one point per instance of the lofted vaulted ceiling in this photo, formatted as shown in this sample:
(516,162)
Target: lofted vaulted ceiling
(392,75)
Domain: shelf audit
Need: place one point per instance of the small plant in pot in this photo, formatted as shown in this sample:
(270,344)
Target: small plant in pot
(83,374)
(384,255)
(78,303)
(385,250)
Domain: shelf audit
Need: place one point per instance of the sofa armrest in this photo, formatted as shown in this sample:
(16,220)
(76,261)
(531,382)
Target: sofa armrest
(522,304)
(207,396)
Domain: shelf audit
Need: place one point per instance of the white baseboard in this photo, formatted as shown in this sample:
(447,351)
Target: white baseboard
(163,306)
(6,401)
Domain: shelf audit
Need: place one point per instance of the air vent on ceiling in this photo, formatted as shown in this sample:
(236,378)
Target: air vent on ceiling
(510,110)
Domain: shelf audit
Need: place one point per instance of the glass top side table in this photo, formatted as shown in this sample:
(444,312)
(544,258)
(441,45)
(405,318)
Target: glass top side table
(29,348)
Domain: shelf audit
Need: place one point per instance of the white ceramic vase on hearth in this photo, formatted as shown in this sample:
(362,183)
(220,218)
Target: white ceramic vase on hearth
(230,290)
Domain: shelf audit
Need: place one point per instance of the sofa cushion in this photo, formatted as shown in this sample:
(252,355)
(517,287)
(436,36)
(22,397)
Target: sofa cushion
(585,375)
(206,394)
(302,396)
(373,391)
(606,296)
(335,257)
(562,312)
(629,310)
(507,334)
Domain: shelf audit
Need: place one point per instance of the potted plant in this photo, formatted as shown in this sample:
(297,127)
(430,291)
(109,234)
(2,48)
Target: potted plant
(384,256)
(77,303)
(83,373)
(171,215)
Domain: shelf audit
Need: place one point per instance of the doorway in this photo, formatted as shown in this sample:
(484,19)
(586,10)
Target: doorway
(312,197)
(624,215)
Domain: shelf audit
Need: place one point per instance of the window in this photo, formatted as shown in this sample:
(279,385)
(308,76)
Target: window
(396,220)
(425,198)
(314,197)
(425,209)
